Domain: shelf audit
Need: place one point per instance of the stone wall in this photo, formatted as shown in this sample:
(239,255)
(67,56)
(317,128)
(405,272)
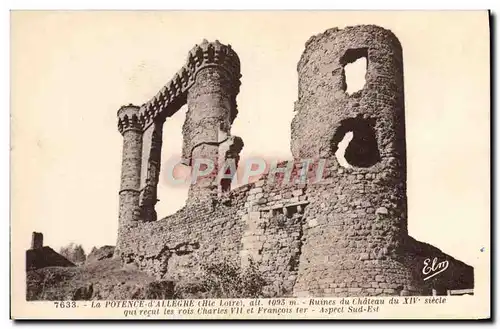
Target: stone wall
(176,246)
(296,237)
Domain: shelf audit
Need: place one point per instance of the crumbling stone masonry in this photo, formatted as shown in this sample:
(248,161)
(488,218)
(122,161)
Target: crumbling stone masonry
(36,240)
(343,235)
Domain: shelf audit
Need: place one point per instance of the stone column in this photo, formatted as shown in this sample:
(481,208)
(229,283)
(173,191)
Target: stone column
(130,127)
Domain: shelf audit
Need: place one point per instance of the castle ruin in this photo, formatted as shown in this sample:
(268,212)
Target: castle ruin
(343,235)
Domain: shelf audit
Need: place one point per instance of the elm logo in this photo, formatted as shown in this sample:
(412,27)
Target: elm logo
(434,268)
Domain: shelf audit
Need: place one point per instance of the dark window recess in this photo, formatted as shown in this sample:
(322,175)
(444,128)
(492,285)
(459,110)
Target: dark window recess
(362,150)
(225,184)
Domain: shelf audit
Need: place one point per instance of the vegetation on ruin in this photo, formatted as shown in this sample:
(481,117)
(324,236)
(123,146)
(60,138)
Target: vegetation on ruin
(224,279)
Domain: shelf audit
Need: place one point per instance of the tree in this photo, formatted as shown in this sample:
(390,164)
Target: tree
(74,253)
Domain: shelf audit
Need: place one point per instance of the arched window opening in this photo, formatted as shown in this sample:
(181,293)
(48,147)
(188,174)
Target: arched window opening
(355,144)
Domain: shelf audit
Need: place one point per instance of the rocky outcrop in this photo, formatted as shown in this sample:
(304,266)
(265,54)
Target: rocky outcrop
(101,253)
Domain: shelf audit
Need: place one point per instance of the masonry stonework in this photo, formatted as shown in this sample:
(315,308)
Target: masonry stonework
(342,234)
(360,215)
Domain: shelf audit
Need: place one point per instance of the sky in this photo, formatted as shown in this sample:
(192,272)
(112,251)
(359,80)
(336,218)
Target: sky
(71,71)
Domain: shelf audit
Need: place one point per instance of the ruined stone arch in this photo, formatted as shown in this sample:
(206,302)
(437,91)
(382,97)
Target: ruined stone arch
(208,83)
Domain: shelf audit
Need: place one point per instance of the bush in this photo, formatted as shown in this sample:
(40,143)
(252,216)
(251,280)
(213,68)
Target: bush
(224,280)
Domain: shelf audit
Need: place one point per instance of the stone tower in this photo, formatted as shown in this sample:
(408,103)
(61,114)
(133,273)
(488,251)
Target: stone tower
(36,240)
(211,111)
(358,217)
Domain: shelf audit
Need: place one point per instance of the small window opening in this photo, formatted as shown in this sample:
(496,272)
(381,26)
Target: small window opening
(355,144)
(226,182)
(355,62)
